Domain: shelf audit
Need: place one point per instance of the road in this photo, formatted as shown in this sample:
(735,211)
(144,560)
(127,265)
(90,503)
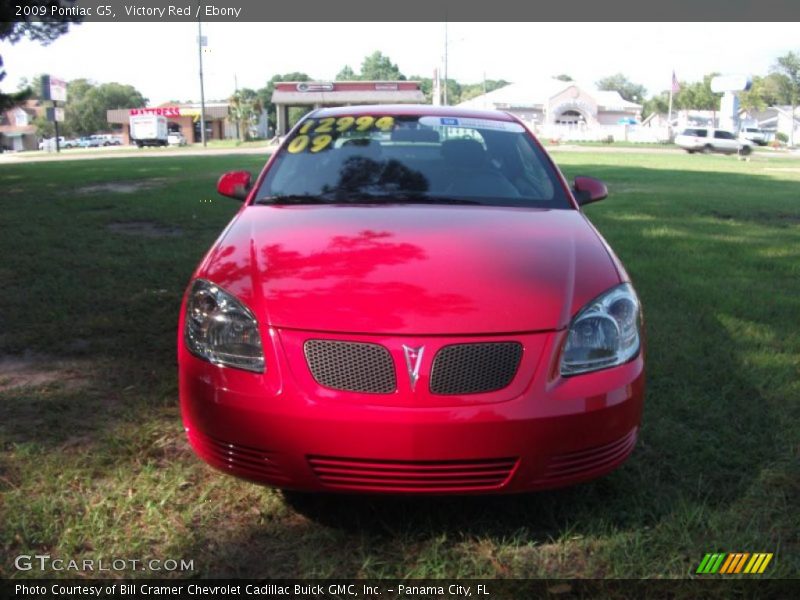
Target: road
(128,152)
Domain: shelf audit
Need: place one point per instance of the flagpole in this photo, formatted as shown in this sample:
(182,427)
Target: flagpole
(669,116)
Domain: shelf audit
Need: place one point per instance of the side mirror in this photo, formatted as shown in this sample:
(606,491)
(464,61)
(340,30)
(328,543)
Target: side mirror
(588,189)
(235,184)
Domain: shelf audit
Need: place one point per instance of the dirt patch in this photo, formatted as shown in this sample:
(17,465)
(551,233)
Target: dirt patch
(149,229)
(31,370)
(120,187)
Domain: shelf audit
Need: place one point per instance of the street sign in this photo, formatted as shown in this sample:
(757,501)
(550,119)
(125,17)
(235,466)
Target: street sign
(54,89)
(55,114)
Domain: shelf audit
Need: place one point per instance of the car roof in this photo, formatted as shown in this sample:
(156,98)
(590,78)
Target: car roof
(412,110)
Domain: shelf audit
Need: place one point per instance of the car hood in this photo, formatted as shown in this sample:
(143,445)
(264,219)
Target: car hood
(412,269)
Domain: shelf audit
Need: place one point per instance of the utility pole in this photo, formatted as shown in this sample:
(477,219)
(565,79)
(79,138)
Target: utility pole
(444,101)
(55,124)
(238,105)
(200,44)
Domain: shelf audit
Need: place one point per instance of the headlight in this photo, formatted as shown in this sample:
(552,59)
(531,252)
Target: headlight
(605,333)
(222,330)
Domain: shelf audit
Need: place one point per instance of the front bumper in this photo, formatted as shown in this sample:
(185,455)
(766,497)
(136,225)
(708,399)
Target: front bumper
(282,429)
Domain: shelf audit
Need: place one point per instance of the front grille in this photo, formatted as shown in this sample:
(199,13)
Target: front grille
(351,366)
(418,476)
(475,368)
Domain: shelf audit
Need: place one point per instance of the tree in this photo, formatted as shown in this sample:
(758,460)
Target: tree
(633,92)
(788,67)
(13,28)
(44,29)
(697,95)
(657,104)
(378,67)
(245,110)
(265,95)
(87,104)
(473,90)
(765,91)
(346,74)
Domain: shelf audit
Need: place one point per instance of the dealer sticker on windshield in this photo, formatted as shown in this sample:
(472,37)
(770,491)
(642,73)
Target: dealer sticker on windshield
(317,134)
(468,123)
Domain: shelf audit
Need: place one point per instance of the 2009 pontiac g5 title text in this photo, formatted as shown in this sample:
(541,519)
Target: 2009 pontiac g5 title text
(170,11)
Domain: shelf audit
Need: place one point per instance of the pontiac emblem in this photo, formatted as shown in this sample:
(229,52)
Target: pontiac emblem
(413,362)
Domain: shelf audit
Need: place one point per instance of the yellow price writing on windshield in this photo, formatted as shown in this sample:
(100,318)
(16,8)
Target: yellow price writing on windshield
(342,124)
(315,135)
(385,123)
(306,142)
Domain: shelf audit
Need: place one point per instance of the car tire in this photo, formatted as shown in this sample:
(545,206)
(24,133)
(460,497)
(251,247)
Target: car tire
(690,151)
(708,149)
(745,150)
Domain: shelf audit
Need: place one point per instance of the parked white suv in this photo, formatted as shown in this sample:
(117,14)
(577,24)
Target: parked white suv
(708,139)
(108,139)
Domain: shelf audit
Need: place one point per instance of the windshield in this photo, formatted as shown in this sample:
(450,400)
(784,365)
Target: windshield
(399,159)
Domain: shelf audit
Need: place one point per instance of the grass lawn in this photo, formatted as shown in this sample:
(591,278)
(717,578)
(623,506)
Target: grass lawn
(94,464)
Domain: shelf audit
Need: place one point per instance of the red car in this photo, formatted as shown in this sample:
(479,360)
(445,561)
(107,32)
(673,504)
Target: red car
(410,300)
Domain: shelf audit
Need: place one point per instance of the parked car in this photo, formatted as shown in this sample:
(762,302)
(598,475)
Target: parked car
(89,142)
(754,134)
(411,300)
(50,143)
(708,139)
(70,143)
(176,138)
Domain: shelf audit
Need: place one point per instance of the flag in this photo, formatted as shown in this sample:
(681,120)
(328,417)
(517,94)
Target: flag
(676,87)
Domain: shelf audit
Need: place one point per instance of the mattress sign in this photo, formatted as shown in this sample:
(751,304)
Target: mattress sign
(471,123)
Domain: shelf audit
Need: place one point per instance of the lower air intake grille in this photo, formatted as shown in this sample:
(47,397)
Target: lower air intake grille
(400,476)
(351,366)
(241,460)
(475,368)
(591,460)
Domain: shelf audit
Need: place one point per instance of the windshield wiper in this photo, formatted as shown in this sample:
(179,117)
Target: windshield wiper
(415,198)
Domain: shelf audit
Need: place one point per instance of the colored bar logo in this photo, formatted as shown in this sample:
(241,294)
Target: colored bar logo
(734,562)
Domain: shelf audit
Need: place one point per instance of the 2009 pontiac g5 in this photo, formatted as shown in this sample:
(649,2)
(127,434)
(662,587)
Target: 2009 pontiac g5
(411,301)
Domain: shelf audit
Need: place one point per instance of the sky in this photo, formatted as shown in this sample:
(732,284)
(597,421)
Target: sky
(161,59)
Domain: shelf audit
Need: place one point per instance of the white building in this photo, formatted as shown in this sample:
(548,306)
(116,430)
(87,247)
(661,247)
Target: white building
(564,109)
(774,119)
